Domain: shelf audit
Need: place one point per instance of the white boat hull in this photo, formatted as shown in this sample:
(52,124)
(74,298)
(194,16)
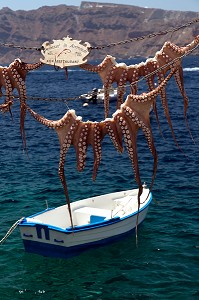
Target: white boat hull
(56,241)
(100,96)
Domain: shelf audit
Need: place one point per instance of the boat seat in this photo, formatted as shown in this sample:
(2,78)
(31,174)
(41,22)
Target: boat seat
(88,215)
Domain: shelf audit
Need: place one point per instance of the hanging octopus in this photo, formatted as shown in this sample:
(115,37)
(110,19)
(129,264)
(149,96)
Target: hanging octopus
(12,77)
(124,124)
(170,55)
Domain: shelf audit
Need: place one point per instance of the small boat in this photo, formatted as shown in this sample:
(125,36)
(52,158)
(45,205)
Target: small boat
(97,95)
(96,221)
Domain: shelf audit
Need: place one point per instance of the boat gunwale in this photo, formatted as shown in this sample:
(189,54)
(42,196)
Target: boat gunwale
(79,228)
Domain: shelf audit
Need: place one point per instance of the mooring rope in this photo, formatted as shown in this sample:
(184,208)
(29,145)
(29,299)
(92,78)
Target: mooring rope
(12,228)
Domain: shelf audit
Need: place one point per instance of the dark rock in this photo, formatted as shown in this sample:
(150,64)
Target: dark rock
(96,23)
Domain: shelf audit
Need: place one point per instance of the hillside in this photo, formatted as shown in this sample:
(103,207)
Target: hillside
(98,24)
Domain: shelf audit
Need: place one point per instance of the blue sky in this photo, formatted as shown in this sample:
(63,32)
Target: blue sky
(184,5)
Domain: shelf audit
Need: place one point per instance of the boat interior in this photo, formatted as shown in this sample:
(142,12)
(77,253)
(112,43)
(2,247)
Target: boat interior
(92,210)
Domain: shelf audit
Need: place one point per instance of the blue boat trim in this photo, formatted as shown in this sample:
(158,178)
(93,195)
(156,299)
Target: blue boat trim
(41,212)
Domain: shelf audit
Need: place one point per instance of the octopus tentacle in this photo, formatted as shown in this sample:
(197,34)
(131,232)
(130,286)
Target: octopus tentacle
(157,117)
(150,96)
(12,77)
(114,133)
(107,86)
(180,82)
(109,61)
(118,74)
(65,120)
(95,140)
(149,67)
(72,131)
(151,85)
(63,150)
(142,103)
(146,128)
(31,67)
(171,51)
(130,141)
(121,87)
(20,84)
(110,72)
(8,87)
(165,106)
(80,144)
(168,53)
(132,77)
(130,133)
(66,128)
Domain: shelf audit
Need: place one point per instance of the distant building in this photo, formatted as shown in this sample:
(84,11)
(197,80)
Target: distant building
(85,4)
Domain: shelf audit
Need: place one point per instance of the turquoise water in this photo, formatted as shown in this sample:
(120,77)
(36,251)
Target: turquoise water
(165,263)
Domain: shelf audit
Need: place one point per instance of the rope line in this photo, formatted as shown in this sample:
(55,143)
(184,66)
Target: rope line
(163,67)
(10,45)
(12,228)
(65,100)
(150,35)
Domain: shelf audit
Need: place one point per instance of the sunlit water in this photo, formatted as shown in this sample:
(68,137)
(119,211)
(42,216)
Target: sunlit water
(165,263)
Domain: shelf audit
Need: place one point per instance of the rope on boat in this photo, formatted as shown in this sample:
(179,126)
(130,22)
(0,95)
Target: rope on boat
(121,207)
(12,228)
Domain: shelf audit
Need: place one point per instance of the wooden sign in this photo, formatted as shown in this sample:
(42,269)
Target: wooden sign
(65,52)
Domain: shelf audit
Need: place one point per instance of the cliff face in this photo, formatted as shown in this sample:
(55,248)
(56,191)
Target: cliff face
(98,24)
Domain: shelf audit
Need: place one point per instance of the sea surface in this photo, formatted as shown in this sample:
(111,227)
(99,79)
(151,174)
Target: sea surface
(165,265)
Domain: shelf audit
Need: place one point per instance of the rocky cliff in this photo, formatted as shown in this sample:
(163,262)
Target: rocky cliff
(98,24)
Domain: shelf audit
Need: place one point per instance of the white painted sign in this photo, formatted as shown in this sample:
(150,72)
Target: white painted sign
(65,52)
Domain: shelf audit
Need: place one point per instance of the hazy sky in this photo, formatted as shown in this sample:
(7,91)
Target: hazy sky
(185,5)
